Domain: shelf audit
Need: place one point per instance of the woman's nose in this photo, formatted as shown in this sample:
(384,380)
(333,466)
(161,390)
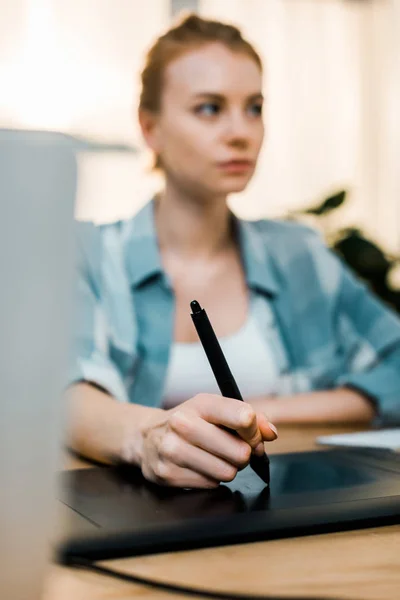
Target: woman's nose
(238,129)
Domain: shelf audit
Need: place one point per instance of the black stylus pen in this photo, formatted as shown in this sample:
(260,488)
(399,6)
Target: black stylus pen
(223,376)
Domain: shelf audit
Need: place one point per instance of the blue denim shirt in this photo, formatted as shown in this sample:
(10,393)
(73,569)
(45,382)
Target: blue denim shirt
(329,331)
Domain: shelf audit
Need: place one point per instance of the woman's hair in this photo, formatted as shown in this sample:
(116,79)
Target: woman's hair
(190,33)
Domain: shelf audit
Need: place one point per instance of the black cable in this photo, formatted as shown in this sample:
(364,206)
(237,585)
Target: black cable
(84,563)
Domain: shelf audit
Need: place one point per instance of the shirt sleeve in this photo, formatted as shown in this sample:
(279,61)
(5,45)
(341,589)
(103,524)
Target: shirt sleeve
(373,363)
(90,360)
(368,332)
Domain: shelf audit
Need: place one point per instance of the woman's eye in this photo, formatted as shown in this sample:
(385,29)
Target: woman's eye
(208,109)
(256,109)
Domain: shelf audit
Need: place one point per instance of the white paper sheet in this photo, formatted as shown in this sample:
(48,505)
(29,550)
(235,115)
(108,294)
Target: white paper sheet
(382,438)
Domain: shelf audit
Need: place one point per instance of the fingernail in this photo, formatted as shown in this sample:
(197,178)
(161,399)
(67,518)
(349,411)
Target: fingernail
(274,429)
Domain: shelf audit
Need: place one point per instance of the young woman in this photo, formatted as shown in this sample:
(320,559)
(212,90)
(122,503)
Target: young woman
(305,341)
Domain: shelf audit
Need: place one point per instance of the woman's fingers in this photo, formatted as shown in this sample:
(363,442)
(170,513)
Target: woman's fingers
(174,476)
(175,462)
(231,413)
(210,438)
(269,432)
(173,451)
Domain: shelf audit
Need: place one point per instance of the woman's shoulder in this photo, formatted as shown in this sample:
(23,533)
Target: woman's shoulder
(99,253)
(119,251)
(284,237)
(90,237)
(283,228)
(297,249)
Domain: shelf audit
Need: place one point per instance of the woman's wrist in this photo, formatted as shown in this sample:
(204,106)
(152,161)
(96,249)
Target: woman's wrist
(137,420)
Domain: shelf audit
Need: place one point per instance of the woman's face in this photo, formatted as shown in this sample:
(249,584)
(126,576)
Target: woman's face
(210,129)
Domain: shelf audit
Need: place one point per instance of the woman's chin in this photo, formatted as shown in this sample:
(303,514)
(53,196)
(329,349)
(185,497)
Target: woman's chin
(234,187)
(226,186)
(236,183)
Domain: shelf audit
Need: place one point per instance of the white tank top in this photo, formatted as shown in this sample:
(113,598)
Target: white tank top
(249,357)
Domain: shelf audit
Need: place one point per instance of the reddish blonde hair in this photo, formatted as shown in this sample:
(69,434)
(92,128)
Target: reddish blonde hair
(189,33)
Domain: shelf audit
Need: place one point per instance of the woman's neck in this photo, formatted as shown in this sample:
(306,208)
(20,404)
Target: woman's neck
(190,226)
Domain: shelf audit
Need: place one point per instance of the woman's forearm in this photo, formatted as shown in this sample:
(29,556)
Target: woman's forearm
(103,429)
(333,406)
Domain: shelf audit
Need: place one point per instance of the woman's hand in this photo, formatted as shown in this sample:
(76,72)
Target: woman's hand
(187,447)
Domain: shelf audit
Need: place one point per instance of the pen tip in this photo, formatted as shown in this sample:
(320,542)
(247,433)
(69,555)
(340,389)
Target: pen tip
(195,306)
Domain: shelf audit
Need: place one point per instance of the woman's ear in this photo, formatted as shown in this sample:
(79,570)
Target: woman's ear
(149,124)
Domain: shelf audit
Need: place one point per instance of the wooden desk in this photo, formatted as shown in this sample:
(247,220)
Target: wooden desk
(359,564)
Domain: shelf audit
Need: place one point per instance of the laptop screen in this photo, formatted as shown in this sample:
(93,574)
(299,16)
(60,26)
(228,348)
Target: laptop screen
(37,192)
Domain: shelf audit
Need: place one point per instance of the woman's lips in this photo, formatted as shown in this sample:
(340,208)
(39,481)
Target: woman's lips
(236,166)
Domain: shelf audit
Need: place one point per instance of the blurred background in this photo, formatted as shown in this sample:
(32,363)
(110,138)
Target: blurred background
(332,87)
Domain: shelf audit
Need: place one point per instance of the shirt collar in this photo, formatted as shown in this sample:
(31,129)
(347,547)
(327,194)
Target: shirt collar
(143,257)
(258,261)
(142,254)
